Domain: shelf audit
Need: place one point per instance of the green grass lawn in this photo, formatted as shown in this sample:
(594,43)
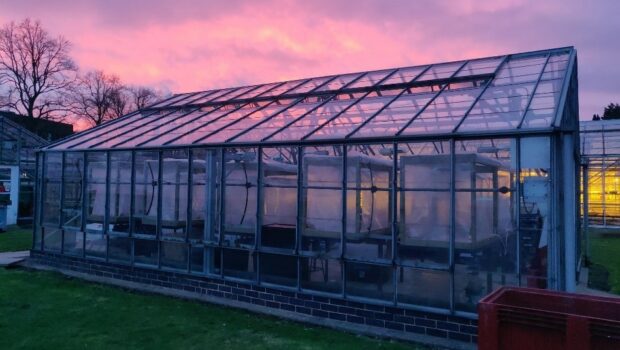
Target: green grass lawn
(15,239)
(605,250)
(45,310)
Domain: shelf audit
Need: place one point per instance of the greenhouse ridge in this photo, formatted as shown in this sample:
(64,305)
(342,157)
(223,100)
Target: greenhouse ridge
(492,95)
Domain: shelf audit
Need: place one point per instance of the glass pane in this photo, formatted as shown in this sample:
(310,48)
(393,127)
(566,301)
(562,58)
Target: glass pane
(206,260)
(520,70)
(544,103)
(119,249)
(206,177)
(404,75)
(101,130)
(270,126)
(248,92)
(146,252)
(240,190)
(174,255)
(440,71)
(354,116)
(52,239)
(174,196)
(340,82)
(118,138)
(485,247)
(424,198)
(482,66)
(73,242)
(185,129)
(72,188)
(279,206)
(96,173)
(237,126)
(278,269)
(396,114)
(370,281)
(322,201)
(214,126)
(239,263)
(283,88)
(312,120)
(370,79)
(369,212)
(424,287)
(51,195)
(192,99)
(535,210)
(120,191)
(212,96)
(309,85)
(173,100)
(320,274)
(145,192)
(171,128)
(445,112)
(499,108)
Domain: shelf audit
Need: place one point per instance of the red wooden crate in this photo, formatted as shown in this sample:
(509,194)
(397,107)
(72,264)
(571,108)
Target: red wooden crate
(524,318)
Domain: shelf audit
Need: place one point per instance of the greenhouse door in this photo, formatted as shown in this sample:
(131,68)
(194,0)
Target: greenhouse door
(9,189)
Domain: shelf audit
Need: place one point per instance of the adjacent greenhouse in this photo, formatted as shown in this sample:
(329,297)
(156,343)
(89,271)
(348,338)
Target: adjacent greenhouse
(421,187)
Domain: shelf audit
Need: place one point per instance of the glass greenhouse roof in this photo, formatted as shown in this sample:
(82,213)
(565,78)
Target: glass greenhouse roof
(494,95)
(600,138)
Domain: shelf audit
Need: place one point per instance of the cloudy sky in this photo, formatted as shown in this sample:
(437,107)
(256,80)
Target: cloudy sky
(196,45)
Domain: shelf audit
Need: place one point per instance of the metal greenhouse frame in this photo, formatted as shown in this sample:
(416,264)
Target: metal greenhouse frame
(421,187)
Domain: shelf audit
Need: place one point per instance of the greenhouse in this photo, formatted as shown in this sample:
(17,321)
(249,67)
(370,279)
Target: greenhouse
(600,149)
(419,188)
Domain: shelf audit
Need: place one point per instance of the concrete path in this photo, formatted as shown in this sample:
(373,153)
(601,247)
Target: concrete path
(12,258)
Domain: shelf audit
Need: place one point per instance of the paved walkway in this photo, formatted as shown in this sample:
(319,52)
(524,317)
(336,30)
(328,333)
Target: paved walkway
(12,258)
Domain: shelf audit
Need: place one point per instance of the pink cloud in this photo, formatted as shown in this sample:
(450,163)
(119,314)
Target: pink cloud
(197,45)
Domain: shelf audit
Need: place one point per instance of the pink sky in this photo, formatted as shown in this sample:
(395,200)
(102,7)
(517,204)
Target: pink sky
(196,45)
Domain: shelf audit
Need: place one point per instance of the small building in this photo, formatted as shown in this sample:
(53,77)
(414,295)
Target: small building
(20,137)
(390,198)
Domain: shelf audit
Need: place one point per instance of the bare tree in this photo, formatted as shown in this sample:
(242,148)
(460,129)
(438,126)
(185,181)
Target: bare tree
(35,69)
(143,96)
(120,102)
(94,96)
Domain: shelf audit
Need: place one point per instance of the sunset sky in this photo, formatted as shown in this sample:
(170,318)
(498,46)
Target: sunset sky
(196,45)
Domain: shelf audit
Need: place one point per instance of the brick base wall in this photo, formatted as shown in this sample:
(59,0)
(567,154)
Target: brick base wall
(387,317)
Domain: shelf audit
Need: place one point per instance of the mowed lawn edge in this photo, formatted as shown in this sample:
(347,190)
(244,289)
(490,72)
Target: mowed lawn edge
(48,310)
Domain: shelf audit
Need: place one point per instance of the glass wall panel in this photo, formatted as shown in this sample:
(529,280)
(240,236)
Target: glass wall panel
(51,189)
(321,213)
(174,255)
(370,281)
(424,219)
(321,274)
(535,210)
(73,242)
(279,197)
(239,263)
(423,287)
(52,240)
(72,188)
(174,196)
(369,210)
(485,231)
(95,197)
(119,249)
(206,178)
(146,169)
(146,252)
(120,191)
(205,260)
(240,194)
(278,269)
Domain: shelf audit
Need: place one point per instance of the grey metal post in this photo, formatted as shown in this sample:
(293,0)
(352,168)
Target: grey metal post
(586,208)
(569,183)
(451,259)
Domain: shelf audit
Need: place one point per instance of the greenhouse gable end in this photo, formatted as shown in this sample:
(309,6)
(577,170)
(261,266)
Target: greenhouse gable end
(395,198)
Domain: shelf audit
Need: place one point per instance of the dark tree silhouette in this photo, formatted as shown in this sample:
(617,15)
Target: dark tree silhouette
(612,111)
(35,70)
